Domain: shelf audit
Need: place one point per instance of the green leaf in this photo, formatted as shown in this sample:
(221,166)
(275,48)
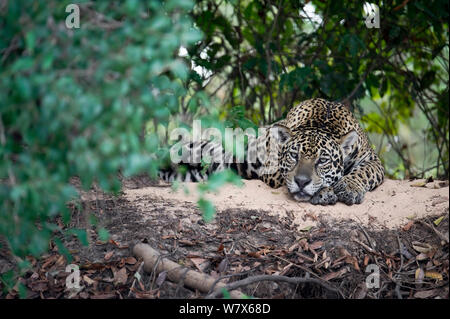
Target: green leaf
(63,250)
(103,234)
(81,235)
(207,208)
(226,294)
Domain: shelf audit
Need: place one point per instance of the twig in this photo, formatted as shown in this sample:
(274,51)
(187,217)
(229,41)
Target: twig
(369,249)
(440,235)
(369,239)
(134,280)
(292,280)
(226,276)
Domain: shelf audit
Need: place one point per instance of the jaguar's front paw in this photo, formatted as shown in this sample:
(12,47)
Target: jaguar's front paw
(325,196)
(348,193)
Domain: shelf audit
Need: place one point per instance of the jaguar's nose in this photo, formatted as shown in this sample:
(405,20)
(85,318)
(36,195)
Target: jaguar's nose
(302,181)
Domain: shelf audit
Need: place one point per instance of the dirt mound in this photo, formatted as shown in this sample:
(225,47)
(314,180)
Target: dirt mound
(391,205)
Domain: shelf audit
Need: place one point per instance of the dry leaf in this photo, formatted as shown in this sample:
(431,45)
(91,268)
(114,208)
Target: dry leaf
(60,261)
(223,265)
(255,254)
(422,247)
(421,256)
(419,275)
(161,278)
(408,226)
(130,260)
(335,274)
(186,242)
(419,184)
(120,277)
(426,293)
(293,247)
(366,260)
(111,241)
(316,245)
(433,275)
(88,280)
(200,263)
(108,255)
(286,269)
(307,228)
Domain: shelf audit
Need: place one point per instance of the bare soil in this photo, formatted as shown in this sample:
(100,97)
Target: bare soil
(402,228)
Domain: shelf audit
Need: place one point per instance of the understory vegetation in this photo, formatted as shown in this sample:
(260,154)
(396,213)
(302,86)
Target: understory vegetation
(99,100)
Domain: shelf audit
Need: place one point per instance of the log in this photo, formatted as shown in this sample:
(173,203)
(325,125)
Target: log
(176,273)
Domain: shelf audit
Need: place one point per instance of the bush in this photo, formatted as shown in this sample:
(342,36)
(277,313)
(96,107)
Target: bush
(74,102)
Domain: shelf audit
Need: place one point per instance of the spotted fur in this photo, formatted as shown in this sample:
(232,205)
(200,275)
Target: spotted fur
(319,151)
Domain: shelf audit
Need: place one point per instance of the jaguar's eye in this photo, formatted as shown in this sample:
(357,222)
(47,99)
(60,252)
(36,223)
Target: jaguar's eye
(294,155)
(322,160)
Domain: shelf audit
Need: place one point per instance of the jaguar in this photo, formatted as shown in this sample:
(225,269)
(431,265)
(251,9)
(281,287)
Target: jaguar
(319,152)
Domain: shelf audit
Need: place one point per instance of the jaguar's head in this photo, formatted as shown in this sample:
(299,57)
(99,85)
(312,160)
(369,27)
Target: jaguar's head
(311,159)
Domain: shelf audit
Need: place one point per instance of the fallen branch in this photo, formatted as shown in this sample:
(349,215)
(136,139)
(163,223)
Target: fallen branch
(292,280)
(153,262)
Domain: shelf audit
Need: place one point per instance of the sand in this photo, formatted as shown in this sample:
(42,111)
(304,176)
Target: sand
(391,205)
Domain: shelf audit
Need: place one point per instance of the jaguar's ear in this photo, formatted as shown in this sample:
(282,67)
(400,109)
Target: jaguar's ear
(347,142)
(281,133)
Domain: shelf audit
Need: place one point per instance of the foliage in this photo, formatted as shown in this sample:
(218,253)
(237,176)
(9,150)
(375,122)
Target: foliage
(268,55)
(74,102)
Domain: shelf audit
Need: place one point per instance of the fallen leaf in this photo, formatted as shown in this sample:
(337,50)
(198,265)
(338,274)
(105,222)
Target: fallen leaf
(316,245)
(286,269)
(186,242)
(220,249)
(108,255)
(223,265)
(419,184)
(120,277)
(60,261)
(361,293)
(49,261)
(161,278)
(333,275)
(353,261)
(200,263)
(111,241)
(422,247)
(255,254)
(84,295)
(408,225)
(426,293)
(419,275)
(130,260)
(438,221)
(344,252)
(307,228)
(293,247)
(421,256)
(88,280)
(433,275)
(366,260)
(39,285)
